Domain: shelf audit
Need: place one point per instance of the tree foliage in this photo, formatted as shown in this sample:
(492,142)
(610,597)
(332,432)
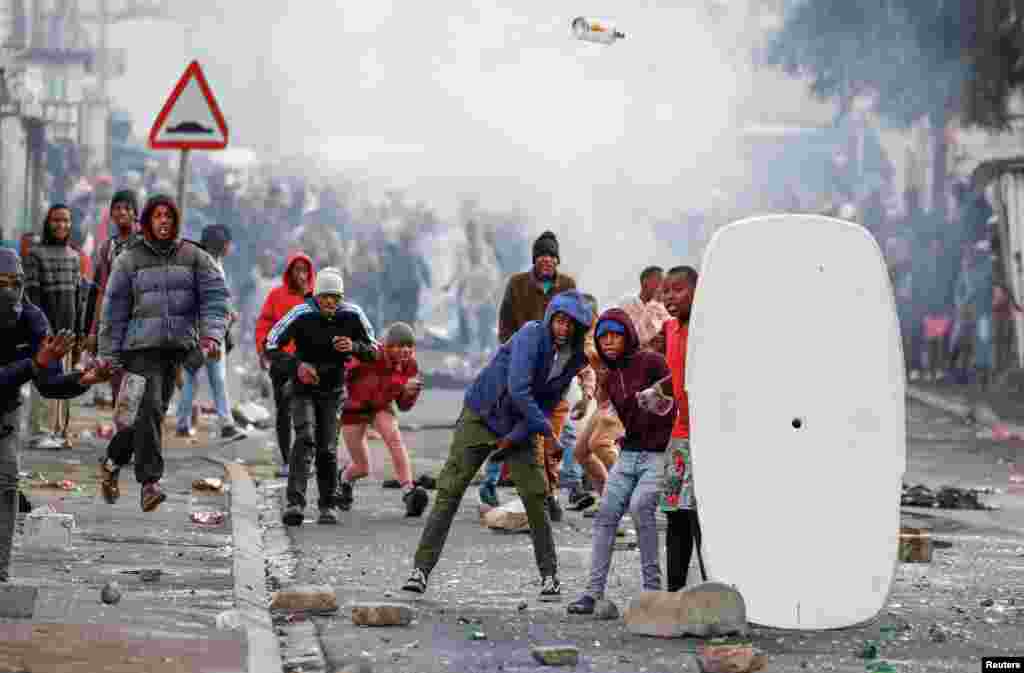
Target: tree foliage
(937,58)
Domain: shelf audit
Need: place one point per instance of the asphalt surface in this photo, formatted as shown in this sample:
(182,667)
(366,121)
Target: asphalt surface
(967,603)
(487,581)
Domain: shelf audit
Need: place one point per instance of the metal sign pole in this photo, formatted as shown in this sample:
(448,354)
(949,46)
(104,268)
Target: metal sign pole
(182,184)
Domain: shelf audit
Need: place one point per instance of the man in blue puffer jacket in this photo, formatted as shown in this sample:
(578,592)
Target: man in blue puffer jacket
(508,404)
(166,304)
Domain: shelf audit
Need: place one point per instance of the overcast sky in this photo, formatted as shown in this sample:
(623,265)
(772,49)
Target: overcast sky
(480,97)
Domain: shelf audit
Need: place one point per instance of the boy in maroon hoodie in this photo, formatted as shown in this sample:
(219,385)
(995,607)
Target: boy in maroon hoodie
(633,484)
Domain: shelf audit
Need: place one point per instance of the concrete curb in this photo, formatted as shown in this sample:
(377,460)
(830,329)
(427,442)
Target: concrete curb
(251,601)
(981,413)
(938,402)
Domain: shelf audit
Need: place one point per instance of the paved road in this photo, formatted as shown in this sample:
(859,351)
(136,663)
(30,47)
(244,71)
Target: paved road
(487,580)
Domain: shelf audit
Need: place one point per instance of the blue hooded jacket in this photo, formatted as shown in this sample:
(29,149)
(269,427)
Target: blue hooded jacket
(19,342)
(512,394)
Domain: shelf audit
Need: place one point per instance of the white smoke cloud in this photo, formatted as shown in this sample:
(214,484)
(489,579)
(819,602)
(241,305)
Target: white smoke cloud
(483,97)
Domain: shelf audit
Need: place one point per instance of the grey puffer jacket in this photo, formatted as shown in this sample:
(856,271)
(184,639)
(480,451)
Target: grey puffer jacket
(162,296)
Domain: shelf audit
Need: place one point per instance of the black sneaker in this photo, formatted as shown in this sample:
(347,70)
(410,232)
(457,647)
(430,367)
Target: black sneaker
(292,515)
(554,509)
(328,515)
(343,497)
(231,432)
(580,500)
(416,501)
(391,483)
(417,582)
(427,482)
(550,589)
(584,605)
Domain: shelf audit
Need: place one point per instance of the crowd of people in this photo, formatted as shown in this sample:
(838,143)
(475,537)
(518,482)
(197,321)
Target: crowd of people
(955,314)
(576,398)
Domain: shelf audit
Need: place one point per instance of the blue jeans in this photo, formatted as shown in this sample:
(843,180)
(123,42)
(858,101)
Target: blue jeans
(571,474)
(216,371)
(633,486)
(492,473)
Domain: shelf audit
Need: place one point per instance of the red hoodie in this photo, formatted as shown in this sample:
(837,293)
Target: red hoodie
(373,386)
(279,301)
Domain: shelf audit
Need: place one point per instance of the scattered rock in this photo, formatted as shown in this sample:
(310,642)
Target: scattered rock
(937,634)
(229,620)
(111,593)
(150,575)
(987,603)
(559,655)
(381,614)
(708,609)
(208,484)
(510,517)
(522,606)
(729,659)
(915,545)
(310,598)
(17,601)
(605,609)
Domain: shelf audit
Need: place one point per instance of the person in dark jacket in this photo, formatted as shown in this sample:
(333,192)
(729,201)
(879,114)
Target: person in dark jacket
(327,333)
(526,298)
(124,211)
(166,305)
(507,405)
(633,483)
(28,352)
(216,240)
(53,273)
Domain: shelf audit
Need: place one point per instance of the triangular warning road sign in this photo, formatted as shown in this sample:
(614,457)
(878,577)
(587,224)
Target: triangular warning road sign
(190,119)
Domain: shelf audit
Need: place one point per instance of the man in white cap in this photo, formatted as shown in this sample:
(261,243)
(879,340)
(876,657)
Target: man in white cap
(327,331)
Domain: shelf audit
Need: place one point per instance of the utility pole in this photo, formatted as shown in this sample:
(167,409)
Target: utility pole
(103,77)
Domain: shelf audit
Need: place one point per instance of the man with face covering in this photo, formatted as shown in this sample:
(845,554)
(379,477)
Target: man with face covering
(327,332)
(53,274)
(166,304)
(28,352)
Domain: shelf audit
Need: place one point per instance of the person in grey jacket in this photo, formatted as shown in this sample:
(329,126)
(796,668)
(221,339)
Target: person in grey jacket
(166,305)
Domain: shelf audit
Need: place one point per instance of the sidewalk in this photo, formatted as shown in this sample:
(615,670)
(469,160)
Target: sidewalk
(170,624)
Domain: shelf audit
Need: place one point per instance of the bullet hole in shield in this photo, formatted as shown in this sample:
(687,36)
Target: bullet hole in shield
(797,423)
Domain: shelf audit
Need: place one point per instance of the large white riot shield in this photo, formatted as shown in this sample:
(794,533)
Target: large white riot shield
(796,386)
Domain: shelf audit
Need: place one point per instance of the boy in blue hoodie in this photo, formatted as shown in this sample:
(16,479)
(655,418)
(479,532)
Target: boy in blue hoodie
(508,404)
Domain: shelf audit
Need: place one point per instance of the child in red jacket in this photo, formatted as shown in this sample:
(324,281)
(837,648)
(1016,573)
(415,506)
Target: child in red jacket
(374,389)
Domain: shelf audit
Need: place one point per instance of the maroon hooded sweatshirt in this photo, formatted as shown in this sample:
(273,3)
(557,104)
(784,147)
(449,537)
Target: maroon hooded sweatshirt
(634,371)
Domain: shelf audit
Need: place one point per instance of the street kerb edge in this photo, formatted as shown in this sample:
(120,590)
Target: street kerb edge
(251,600)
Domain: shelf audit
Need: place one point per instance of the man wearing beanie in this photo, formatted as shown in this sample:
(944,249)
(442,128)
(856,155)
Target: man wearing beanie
(526,298)
(124,210)
(327,333)
(166,304)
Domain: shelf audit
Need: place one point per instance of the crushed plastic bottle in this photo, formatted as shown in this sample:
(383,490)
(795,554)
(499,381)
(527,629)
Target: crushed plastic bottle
(133,386)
